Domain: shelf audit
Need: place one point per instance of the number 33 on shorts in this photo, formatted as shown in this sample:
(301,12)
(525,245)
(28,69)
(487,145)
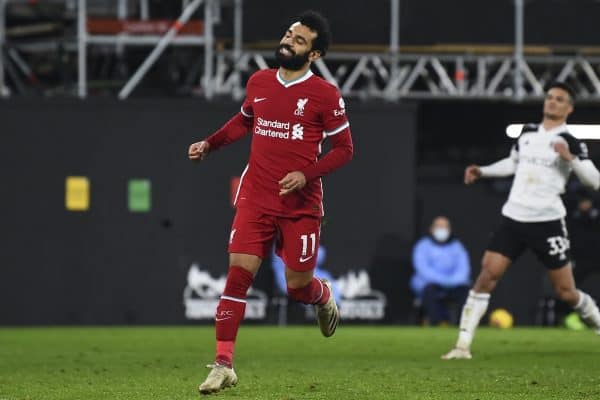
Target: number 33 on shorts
(558,246)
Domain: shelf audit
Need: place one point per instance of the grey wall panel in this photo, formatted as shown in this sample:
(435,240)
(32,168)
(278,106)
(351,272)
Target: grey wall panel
(108,265)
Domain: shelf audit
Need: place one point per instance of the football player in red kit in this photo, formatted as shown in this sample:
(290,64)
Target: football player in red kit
(289,112)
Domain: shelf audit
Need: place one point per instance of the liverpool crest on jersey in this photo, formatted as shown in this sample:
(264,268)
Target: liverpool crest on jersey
(300,106)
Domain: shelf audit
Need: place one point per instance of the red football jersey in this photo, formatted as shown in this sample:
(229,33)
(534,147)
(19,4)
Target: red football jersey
(290,122)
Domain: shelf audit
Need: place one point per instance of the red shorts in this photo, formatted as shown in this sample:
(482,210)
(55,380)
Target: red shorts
(296,239)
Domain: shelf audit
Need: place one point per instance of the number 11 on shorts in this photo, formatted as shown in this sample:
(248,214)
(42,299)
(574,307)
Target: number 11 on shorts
(313,241)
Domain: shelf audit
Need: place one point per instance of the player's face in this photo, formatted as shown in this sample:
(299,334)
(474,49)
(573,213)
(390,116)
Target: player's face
(295,48)
(557,105)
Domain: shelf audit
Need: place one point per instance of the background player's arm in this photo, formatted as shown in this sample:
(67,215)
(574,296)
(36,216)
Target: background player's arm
(505,167)
(575,153)
(587,172)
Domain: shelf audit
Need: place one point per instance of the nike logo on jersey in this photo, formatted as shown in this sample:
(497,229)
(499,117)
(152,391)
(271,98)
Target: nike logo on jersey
(222,319)
(259,99)
(302,259)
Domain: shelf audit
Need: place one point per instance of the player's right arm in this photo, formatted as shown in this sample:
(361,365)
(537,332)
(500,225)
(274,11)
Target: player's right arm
(198,150)
(502,168)
(233,130)
(505,167)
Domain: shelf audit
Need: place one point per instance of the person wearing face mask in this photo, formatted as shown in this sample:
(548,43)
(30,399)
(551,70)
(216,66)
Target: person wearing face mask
(442,271)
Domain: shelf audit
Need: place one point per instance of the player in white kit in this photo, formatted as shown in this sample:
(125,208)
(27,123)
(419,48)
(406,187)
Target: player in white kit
(533,216)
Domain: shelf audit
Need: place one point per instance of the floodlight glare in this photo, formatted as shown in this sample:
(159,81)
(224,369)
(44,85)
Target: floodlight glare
(590,132)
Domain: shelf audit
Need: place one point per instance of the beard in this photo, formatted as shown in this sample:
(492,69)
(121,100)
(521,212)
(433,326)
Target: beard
(294,62)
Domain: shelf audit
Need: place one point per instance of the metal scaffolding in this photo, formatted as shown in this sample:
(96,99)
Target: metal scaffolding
(417,76)
(206,40)
(394,73)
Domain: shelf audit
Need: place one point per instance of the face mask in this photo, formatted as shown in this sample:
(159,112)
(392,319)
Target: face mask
(441,234)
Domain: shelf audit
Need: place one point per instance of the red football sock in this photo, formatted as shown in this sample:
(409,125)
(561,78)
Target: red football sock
(230,313)
(314,293)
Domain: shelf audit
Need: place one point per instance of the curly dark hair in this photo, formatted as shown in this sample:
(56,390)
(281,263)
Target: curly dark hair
(319,24)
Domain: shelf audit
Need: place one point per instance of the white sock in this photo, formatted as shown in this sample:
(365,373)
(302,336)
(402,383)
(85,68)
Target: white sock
(472,312)
(588,310)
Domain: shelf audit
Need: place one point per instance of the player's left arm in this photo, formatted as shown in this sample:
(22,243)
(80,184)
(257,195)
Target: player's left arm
(337,129)
(575,152)
(340,153)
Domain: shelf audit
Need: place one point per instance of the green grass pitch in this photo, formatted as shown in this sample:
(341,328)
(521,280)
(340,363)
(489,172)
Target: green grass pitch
(297,363)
